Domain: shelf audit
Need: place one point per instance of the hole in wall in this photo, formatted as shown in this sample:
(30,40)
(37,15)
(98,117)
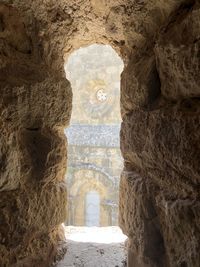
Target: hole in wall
(94,157)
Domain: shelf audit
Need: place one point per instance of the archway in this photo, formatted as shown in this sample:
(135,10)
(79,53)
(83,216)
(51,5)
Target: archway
(93,137)
(94,157)
(85,181)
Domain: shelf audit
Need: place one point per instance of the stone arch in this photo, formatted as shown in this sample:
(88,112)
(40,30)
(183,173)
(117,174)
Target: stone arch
(79,204)
(94,168)
(77,191)
(160,129)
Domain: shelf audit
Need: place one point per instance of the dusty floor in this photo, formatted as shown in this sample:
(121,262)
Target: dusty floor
(94,247)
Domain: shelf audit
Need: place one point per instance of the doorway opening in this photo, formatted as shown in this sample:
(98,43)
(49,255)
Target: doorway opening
(94,157)
(92,209)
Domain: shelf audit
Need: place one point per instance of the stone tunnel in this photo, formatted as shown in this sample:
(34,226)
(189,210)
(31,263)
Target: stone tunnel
(159,202)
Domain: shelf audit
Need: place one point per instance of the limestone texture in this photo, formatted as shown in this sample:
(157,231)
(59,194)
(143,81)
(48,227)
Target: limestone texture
(159,42)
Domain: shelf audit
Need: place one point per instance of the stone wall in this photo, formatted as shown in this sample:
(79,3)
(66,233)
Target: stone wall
(93,168)
(159,142)
(159,195)
(32,147)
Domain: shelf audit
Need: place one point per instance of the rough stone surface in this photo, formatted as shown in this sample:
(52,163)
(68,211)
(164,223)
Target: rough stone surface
(160,146)
(159,199)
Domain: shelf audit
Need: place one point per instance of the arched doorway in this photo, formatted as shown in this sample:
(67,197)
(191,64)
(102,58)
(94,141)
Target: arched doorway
(85,181)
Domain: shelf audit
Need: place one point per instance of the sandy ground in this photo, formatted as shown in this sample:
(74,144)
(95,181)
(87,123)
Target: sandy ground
(94,247)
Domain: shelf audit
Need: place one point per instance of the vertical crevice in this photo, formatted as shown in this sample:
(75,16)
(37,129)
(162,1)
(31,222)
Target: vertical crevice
(2,25)
(154,242)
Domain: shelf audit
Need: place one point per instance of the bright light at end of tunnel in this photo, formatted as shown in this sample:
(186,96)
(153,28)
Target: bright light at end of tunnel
(103,235)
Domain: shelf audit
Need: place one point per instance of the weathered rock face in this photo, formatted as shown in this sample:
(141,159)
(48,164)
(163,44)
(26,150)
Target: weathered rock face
(160,145)
(32,149)
(159,198)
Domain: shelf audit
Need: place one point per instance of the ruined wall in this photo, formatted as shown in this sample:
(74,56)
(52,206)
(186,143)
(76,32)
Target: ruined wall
(32,147)
(160,145)
(159,199)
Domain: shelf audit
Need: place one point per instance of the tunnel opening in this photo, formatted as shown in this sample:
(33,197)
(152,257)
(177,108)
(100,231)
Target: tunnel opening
(159,185)
(94,159)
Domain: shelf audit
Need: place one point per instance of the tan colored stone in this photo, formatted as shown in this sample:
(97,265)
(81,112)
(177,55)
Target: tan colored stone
(159,43)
